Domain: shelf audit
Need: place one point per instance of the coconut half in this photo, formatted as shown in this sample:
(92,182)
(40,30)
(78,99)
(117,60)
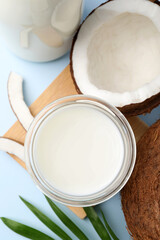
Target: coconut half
(116,55)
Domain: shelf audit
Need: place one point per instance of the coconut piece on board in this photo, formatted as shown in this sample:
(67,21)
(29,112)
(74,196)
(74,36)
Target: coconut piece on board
(15,96)
(141,195)
(12,147)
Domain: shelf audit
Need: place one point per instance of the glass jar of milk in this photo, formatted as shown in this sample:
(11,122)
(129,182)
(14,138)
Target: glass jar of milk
(39,30)
(80,151)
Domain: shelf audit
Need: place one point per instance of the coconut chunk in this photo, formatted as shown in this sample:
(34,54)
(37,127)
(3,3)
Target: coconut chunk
(12,147)
(66,16)
(15,95)
(49,36)
(24,37)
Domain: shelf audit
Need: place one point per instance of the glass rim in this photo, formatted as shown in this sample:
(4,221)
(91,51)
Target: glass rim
(128,162)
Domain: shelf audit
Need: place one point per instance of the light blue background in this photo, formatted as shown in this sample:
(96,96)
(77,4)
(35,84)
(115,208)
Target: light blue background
(14,180)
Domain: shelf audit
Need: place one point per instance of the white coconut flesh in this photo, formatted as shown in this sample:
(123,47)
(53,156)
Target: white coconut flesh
(117,52)
(12,147)
(15,95)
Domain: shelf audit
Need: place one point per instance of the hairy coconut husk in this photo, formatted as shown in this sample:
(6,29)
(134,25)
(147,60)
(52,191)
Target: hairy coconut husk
(129,110)
(141,196)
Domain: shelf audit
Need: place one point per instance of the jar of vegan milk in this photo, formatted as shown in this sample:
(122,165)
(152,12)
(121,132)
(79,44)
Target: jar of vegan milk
(80,150)
(39,30)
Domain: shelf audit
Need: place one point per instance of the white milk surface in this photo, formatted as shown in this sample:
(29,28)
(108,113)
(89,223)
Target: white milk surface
(79,150)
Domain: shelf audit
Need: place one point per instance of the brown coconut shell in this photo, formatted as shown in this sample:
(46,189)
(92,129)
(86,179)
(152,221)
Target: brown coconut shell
(141,196)
(129,110)
(141,108)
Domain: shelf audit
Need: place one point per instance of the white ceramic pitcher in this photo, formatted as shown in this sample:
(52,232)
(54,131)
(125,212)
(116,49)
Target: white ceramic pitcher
(39,30)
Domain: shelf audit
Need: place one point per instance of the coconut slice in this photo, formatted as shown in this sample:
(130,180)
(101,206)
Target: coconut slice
(15,95)
(24,37)
(116,55)
(49,36)
(67,16)
(12,147)
(141,195)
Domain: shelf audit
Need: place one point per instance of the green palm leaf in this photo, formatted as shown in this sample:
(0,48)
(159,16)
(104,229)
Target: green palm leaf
(47,221)
(109,228)
(25,231)
(66,220)
(34,234)
(97,224)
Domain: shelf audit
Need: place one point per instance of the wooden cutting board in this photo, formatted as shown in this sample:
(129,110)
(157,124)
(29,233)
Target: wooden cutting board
(62,86)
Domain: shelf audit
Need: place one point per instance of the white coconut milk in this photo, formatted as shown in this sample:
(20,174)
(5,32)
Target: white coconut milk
(78,150)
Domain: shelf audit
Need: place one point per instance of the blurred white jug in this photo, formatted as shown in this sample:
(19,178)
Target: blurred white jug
(39,30)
